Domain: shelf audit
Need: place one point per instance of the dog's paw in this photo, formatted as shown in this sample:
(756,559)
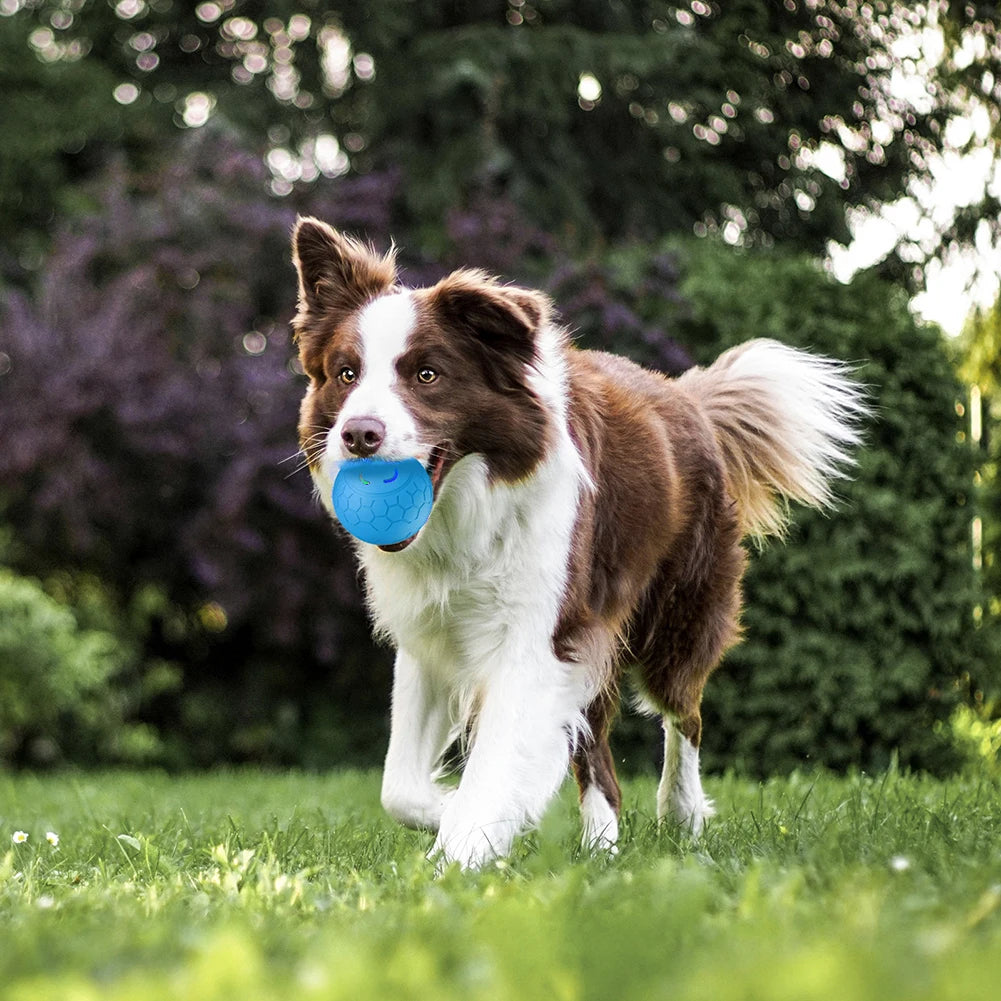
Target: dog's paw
(691,815)
(601,824)
(471,851)
(472,846)
(422,812)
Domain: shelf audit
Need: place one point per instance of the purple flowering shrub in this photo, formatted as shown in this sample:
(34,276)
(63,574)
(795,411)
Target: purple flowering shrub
(150,396)
(149,411)
(625,302)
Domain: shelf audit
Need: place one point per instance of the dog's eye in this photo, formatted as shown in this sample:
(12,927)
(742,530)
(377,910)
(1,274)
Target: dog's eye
(347,375)
(427,376)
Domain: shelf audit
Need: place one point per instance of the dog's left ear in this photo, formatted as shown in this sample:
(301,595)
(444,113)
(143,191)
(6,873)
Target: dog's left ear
(501,317)
(336,273)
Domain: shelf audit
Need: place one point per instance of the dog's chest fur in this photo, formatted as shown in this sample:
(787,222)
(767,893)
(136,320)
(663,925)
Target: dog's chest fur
(488,574)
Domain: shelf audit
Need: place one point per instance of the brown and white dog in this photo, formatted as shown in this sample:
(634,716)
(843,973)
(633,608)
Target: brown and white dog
(587,526)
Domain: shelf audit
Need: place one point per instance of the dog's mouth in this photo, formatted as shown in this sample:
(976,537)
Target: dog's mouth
(439,462)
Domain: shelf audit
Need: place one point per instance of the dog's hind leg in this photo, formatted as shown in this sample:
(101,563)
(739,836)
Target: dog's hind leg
(686,634)
(421,731)
(679,794)
(680,657)
(594,770)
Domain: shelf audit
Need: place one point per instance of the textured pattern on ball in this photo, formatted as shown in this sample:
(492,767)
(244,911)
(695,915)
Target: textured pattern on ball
(383,502)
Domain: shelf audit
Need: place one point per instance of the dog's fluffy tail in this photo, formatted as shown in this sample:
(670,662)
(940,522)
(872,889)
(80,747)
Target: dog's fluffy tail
(786,421)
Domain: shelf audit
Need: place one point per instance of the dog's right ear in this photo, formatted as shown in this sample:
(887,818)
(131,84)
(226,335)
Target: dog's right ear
(336,273)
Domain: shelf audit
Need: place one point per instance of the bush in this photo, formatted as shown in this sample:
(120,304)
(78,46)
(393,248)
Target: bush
(149,440)
(172,402)
(166,462)
(976,731)
(58,683)
(859,632)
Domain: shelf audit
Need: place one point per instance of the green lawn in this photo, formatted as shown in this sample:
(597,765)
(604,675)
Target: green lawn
(242,885)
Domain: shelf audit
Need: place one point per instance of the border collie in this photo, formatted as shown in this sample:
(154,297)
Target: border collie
(587,527)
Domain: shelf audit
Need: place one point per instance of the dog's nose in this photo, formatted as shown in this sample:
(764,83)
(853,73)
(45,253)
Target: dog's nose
(362,436)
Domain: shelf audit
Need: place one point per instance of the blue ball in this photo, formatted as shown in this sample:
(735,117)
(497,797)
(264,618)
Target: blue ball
(382,502)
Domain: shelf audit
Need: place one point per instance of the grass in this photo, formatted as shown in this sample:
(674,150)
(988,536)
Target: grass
(244,885)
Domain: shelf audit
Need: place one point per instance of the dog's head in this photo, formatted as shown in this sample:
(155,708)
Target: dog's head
(435,374)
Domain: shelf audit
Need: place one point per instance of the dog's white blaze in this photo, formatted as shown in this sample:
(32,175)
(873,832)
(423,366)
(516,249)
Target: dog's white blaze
(384,328)
(680,794)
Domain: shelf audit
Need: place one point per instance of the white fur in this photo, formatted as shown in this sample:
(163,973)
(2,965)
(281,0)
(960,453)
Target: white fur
(788,419)
(680,795)
(818,406)
(601,824)
(384,325)
(421,731)
(471,606)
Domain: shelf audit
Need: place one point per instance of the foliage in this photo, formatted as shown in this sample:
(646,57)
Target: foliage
(976,731)
(63,687)
(158,467)
(859,630)
(709,116)
(245,885)
(624,303)
(59,122)
(979,351)
(149,411)
(694,120)
(151,404)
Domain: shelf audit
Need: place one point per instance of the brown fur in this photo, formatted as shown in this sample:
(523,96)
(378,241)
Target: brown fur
(655,578)
(681,469)
(485,407)
(337,275)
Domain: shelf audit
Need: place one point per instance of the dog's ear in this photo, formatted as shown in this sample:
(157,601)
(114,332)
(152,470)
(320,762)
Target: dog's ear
(336,273)
(501,317)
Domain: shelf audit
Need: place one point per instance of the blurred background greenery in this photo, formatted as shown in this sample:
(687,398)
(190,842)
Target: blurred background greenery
(676,175)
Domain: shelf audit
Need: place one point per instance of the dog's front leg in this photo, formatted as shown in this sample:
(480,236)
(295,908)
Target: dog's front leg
(420,732)
(519,757)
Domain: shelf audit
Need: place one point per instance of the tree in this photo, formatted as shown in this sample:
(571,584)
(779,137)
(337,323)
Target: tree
(59,121)
(762,120)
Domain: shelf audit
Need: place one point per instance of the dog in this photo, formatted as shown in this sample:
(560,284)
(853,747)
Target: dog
(587,526)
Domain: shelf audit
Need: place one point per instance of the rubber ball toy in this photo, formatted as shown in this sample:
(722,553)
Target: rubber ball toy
(383,502)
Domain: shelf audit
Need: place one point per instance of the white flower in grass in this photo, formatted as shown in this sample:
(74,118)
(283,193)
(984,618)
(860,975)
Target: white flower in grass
(52,838)
(900,863)
(19,837)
